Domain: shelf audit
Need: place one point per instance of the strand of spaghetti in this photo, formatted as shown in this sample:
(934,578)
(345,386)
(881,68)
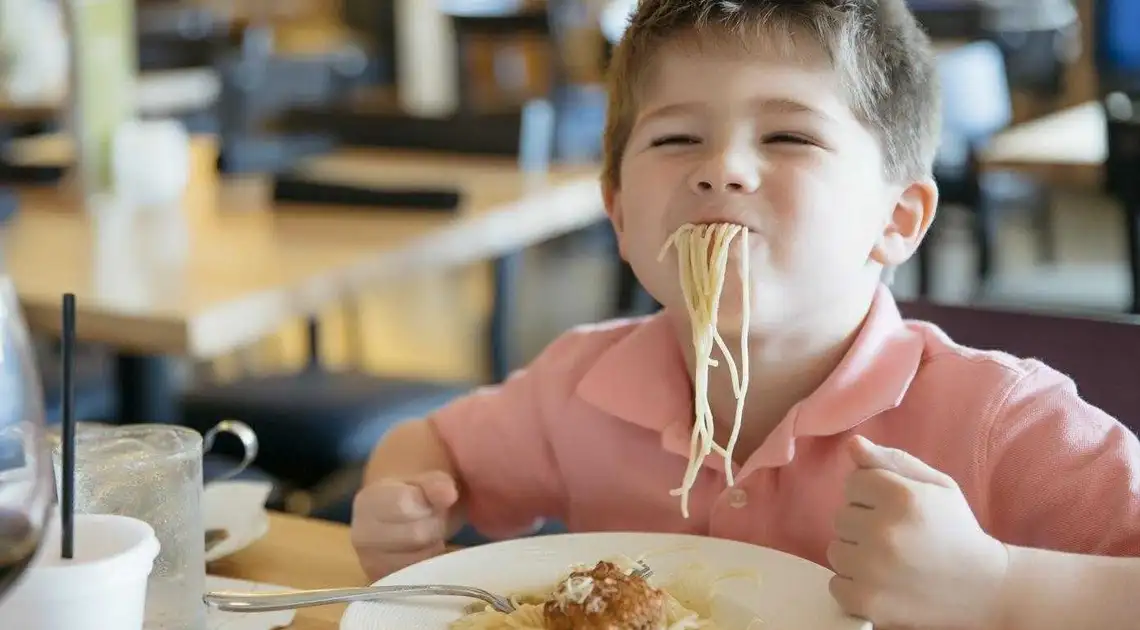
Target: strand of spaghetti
(702,265)
(723,347)
(690,479)
(695,242)
(684,265)
(745,324)
(684,239)
(687,481)
(702,254)
(708,242)
(685,269)
(718,260)
(700,257)
(705,249)
(739,381)
(698,250)
(700,377)
(721,262)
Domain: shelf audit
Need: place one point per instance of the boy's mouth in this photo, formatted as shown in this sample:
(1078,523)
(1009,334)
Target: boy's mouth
(671,242)
(722,213)
(722,219)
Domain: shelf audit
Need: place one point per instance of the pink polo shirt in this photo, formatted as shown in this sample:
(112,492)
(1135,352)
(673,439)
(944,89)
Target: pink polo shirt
(595,433)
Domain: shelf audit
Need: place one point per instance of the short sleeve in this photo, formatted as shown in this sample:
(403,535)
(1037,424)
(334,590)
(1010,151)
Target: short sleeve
(498,441)
(1063,474)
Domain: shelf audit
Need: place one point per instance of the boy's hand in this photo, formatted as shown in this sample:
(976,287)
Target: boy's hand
(909,552)
(398,522)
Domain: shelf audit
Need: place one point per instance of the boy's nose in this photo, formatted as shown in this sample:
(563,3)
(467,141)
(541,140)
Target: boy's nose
(729,174)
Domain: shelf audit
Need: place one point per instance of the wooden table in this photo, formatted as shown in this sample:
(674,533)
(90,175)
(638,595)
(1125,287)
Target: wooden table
(299,553)
(1068,147)
(243,268)
(248,269)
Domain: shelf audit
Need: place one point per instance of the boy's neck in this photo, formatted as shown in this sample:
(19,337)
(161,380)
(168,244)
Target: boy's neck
(784,368)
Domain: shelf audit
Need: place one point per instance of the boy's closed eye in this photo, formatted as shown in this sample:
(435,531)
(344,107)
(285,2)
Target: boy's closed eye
(775,138)
(674,139)
(788,138)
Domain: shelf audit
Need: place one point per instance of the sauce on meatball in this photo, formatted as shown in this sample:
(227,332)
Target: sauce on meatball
(605,598)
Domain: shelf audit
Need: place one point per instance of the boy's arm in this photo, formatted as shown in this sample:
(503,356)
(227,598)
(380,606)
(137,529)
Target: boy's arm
(1049,590)
(410,449)
(494,442)
(1060,473)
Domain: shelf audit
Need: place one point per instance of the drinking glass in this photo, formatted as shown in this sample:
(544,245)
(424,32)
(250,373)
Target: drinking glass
(26,487)
(153,472)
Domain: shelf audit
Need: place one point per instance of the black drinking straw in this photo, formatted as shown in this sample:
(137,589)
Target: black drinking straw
(67,498)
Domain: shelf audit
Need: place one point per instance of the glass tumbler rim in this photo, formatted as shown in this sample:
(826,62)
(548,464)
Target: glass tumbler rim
(189,440)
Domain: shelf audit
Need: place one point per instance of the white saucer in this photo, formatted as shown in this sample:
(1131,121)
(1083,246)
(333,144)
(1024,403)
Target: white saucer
(238,507)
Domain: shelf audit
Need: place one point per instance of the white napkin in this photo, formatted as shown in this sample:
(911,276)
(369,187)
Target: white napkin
(218,620)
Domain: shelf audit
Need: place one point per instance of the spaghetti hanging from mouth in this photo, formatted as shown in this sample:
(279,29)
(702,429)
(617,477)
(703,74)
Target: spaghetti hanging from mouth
(702,258)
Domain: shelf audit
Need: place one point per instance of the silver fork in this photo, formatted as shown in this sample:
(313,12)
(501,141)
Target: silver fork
(266,602)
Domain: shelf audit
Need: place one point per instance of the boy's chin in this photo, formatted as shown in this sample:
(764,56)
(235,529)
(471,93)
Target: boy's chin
(730,325)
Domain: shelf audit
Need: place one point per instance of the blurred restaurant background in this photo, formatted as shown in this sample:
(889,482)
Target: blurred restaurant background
(381,204)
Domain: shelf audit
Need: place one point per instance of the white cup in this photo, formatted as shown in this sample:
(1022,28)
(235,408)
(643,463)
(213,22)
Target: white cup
(103,587)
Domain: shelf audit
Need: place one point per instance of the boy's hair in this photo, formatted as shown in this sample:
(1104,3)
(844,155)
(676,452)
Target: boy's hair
(881,53)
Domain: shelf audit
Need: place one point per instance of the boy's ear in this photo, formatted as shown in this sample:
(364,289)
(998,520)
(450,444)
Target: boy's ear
(907,224)
(613,206)
(614,211)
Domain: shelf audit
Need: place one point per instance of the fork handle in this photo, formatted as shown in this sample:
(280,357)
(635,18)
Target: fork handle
(290,600)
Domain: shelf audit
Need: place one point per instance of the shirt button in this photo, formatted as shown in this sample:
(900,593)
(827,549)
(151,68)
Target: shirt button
(737,498)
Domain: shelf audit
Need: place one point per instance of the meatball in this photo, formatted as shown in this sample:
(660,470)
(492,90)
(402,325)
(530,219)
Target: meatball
(605,598)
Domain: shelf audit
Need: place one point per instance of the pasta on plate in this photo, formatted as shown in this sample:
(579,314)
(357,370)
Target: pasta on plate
(608,597)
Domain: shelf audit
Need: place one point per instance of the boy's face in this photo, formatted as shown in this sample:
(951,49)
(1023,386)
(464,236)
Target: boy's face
(768,141)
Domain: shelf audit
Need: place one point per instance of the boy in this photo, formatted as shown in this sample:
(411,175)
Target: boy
(814,125)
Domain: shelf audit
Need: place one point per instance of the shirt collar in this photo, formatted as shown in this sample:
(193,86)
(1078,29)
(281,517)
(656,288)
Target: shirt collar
(643,380)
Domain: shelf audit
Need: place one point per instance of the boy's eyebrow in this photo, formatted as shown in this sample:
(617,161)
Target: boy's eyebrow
(767,105)
(790,106)
(672,109)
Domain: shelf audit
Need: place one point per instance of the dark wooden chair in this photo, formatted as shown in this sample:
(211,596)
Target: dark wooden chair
(259,86)
(1116,51)
(976,105)
(1120,170)
(174,34)
(949,19)
(1100,353)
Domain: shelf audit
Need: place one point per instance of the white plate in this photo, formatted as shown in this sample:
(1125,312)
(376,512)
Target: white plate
(239,508)
(792,593)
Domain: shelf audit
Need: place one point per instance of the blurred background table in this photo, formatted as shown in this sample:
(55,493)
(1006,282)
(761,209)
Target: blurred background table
(249,267)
